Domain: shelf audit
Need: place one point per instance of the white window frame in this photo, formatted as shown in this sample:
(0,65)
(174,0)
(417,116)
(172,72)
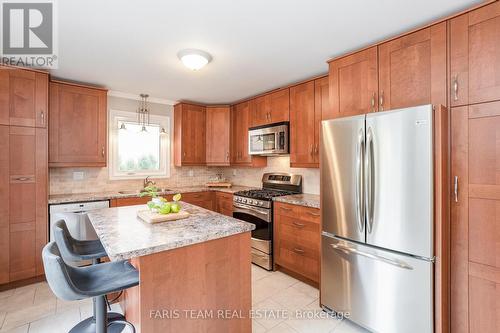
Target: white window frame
(115,116)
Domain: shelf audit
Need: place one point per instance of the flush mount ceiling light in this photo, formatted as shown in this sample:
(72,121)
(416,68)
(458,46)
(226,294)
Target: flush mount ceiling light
(194,59)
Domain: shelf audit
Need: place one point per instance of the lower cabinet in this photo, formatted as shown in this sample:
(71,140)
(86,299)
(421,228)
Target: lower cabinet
(224,203)
(297,239)
(201,199)
(23,201)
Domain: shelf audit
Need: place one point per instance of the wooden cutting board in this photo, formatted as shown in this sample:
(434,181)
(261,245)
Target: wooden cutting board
(150,217)
(219,184)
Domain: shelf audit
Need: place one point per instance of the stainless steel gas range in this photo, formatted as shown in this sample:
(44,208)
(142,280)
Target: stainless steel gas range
(256,206)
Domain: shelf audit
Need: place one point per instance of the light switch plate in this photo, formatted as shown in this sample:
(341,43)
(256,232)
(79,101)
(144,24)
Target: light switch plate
(234,172)
(191,173)
(78,175)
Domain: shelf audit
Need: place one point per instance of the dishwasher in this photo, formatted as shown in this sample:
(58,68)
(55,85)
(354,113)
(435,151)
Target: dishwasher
(75,216)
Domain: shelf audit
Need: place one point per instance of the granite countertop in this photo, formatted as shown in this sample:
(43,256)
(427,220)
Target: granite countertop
(307,200)
(82,197)
(125,236)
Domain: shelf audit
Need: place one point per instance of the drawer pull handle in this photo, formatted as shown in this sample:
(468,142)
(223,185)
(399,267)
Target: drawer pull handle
(313,214)
(298,250)
(22,179)
(300,225)
(286,209)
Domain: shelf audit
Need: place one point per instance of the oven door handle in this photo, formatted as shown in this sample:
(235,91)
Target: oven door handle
(259,213)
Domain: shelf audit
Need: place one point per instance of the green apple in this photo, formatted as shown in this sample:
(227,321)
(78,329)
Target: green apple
(175,207)
(165,208)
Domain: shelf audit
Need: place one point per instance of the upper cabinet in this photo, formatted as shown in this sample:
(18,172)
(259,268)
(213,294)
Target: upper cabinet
(309,105)
(412,69)
(302,125)
(271,108)
(23,97)
(240,122)
(218,136)
(354,83)
(189,134)
(78,118)
(474,56)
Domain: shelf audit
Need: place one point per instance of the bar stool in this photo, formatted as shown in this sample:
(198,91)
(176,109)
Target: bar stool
(74,250)
(76,283)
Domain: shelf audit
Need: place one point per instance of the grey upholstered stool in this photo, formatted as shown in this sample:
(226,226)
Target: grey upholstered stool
(75,283)
(74,250)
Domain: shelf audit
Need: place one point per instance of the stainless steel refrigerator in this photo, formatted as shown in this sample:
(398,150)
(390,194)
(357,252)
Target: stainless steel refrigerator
(377,219)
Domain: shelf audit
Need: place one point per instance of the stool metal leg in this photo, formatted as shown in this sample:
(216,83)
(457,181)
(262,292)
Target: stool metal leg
(101,316)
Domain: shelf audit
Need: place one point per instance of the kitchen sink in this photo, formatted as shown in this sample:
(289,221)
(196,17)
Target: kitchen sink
(129,192)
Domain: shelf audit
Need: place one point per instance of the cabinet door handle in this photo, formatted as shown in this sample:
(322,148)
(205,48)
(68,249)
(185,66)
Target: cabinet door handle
(311,149)
(372,102)
(298,250)
(227,156)
(313,214)
(381,101)
(316,149)
(22,179)
(299,225)
(102,151)
(455,188)
(42,116)
(455,88)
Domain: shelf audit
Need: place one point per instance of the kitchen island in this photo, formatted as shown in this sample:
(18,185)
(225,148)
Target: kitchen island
(194,274)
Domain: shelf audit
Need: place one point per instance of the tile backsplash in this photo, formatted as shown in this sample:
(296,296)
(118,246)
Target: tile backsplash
(253,177)
(91,180)
(97,179)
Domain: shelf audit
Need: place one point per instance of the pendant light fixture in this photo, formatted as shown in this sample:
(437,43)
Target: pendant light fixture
(143,113)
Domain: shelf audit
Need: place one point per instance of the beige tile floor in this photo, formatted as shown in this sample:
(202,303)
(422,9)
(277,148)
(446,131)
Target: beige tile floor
(34,309)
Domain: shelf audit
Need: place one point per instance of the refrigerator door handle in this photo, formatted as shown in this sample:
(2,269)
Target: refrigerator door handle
(350,250)
(359,196)
(369,179)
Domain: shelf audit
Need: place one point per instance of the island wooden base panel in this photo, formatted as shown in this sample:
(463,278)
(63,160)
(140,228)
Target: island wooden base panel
(193,283)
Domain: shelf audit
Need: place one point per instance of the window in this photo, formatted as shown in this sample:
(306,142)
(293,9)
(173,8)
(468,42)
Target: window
(135,153)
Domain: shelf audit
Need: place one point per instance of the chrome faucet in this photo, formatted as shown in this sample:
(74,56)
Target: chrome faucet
(148,182)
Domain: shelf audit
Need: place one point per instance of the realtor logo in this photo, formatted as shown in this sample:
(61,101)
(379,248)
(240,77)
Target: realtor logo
(28,33)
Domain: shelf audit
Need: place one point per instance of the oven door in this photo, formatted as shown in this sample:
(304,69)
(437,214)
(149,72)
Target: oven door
(262,219)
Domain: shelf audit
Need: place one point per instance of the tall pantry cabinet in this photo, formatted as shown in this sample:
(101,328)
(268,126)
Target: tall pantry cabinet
(23,172)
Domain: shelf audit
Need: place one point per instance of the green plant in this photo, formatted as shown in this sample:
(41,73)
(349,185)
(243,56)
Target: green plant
(151,191)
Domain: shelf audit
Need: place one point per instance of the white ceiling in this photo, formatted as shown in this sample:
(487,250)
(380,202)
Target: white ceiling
(257,45)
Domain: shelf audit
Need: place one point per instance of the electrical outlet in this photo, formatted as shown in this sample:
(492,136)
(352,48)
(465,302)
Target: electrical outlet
(234,172)
(78,175)
(191,173)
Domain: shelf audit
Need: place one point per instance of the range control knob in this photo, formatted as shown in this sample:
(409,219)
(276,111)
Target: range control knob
(250,202)
(244,200)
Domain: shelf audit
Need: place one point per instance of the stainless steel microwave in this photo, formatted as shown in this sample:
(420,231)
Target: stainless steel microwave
(269,139)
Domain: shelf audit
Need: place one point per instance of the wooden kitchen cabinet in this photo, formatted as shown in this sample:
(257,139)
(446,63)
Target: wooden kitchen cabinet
(353,83)
(218,136)
(271,108)
(240,122)
(297,239)
(23,97)
(189,134)
(474,57)
(475,216)
(224,203)
(27,202)
(201,199)
(78,125)
(302,125)
(309,105)
(412,69)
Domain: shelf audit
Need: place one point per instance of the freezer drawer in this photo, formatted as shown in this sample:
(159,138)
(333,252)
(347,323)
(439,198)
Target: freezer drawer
(382,291)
